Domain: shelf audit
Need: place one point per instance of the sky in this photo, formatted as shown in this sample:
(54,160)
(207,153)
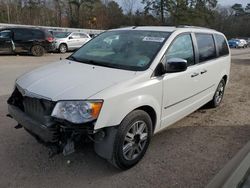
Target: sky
(138,4)
(231,2)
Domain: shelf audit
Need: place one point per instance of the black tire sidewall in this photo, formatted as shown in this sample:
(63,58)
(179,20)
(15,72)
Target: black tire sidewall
(41,48)
(215,104)
(64,46)
(118,157)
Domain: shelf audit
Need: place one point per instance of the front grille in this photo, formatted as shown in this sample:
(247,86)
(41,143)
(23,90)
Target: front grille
(38,109)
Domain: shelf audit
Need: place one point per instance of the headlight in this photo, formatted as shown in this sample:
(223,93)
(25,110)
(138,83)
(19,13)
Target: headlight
(77,111)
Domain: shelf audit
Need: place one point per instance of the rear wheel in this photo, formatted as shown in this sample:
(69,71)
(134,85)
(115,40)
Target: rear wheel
(63,48)
(37,50)
(132,139)
(218,96)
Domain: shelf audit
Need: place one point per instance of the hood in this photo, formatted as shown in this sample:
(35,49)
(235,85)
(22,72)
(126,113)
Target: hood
(69,80)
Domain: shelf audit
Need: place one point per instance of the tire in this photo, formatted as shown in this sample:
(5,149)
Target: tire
(63,48)
(37,50)
(218,96)
(132,139)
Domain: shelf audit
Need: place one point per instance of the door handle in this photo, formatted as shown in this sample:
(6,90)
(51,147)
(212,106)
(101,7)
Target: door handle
(203,71)
(194,74)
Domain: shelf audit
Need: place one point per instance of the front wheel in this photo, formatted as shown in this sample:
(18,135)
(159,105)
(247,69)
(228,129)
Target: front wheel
(63,48)
(132,139)
(218,96)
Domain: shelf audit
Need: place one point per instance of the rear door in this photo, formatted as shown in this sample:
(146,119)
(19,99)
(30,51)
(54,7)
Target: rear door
(208,63)
(6,43)
(23,39)
(74,40)
(83,39)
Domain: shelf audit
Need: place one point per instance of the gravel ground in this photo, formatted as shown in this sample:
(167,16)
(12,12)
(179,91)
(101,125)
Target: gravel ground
(187,155)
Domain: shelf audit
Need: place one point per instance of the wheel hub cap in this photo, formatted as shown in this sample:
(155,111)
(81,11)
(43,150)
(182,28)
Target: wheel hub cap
(135,140)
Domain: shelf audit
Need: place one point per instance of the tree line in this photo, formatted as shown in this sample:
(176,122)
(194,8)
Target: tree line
(234,21)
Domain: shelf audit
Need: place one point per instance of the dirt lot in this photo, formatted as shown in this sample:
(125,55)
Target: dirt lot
(186,155)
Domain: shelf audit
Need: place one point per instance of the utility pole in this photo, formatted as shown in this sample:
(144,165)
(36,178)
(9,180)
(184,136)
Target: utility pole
(162,11)
(8,12)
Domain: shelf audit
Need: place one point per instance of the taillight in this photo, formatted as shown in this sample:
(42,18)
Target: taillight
(50,39)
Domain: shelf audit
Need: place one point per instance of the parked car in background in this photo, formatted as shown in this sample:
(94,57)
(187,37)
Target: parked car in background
(28,40)
(248,42)
(121,88)
(237,43)
(66,41)
(242,43)
(233,43)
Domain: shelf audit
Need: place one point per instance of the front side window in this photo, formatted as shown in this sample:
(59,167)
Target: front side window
(182,47)
(130,49)
(206,47)
(222,45)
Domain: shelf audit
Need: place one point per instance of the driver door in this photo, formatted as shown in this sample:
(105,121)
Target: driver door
(6,42)
(180,90)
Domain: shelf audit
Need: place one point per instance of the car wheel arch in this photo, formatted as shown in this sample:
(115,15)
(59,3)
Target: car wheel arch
(63,43)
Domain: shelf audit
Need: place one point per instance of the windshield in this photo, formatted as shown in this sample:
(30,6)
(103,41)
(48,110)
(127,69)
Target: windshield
(130,50)
(61,34)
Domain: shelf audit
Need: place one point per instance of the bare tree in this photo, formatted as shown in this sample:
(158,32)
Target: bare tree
(128,6)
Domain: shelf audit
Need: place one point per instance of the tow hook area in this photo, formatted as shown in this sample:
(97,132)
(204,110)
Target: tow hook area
(65,148)
(69,147)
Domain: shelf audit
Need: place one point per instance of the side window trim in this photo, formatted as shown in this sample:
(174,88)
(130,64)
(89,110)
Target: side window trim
(196,51)
(216,46)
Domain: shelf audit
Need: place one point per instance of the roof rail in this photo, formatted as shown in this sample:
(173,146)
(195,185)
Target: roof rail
(191,26)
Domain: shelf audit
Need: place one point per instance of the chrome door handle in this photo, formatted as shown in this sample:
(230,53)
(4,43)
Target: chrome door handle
(203,71)
(194,74)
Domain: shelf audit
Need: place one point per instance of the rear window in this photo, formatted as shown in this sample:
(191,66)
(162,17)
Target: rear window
(37,34)
(206,46)
(221,45)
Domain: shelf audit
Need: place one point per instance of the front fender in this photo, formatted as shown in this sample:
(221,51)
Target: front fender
(113,112)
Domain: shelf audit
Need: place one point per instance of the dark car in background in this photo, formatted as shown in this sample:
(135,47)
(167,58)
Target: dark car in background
(26,40)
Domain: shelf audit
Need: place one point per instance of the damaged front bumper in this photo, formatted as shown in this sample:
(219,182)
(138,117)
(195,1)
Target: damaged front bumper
(34,115)
(42,132)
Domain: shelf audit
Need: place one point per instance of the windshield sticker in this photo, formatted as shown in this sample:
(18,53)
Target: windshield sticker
(153,39)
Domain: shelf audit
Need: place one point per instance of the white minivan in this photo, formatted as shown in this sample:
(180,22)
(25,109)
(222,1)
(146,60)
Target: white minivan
(121,88)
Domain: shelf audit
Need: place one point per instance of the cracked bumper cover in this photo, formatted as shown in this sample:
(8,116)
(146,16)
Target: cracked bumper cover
(46,134)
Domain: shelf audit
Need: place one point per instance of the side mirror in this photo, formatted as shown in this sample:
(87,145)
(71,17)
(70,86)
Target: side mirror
(175,65)
(70,38)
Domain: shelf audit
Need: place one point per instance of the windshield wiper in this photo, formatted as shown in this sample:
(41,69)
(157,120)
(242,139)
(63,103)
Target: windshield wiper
(97,63)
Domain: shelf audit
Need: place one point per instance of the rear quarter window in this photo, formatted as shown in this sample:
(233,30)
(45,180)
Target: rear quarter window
(221,45)
(37,34)
(206,46)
